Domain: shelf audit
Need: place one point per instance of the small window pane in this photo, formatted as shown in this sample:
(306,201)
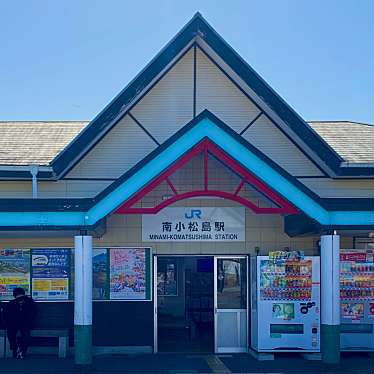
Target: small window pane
(231,284)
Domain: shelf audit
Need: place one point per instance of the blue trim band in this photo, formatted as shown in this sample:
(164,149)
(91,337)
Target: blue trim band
(42,219)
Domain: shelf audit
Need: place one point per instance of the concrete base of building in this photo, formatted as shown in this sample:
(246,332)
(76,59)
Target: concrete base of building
(330,344)
(104,350)
(312,356)
(261,356)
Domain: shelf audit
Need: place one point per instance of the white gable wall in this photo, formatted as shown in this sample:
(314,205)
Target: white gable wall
(166,108)
(124,146)
(259,101)
(265,136)
(215,92)
(169,105)
(218,94)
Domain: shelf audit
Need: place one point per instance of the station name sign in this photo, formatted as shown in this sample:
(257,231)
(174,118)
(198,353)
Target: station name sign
(195,224)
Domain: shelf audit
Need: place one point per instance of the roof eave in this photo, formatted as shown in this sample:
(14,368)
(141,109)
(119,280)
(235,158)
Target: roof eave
(24,172)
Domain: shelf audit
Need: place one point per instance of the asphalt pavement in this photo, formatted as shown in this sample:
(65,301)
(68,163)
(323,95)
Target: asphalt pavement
(184,363)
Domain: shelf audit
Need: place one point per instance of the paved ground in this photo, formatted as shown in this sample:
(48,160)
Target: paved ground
(178,364)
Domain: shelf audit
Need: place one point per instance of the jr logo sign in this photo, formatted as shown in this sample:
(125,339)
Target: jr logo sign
(193,213)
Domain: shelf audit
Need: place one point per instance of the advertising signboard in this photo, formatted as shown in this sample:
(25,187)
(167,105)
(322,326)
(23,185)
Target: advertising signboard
(100,274)
(129,273)
(203,224)
(14,271)
(50,273)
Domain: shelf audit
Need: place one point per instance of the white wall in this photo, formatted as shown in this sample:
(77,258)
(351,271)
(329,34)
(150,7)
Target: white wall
(266,137)
(169,105)
(124,146)
(215,92)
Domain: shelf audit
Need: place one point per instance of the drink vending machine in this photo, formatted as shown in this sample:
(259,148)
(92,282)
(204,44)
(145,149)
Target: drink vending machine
(356,299)
(285,301)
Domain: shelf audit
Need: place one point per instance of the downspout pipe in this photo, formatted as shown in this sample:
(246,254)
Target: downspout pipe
(34,169)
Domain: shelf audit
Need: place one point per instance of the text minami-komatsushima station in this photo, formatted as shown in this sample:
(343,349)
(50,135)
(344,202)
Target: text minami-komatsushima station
(197,212)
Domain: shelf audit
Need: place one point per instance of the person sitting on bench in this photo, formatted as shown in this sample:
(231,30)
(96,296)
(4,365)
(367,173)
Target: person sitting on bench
(19,316)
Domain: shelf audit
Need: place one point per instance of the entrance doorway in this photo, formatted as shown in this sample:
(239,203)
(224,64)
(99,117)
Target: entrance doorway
(230,304)
(201,304)
(185,304)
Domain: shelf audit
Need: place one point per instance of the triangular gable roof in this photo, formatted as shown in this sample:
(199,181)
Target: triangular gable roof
(198,27)
(86,213)
(206,149)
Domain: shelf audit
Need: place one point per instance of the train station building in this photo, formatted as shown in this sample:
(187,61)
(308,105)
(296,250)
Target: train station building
(197,212)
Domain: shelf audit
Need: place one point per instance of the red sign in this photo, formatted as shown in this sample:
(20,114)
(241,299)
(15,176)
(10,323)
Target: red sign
(353,256)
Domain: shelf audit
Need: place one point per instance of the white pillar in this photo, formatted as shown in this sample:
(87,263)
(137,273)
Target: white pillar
(330,298)
(83,300)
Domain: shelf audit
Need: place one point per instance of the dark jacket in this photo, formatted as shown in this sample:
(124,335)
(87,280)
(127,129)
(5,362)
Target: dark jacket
(20,312)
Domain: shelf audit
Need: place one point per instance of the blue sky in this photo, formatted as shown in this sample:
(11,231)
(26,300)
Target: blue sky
(67,59)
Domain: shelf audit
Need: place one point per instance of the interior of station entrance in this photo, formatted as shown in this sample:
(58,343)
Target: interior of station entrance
(185,288)
(185,303)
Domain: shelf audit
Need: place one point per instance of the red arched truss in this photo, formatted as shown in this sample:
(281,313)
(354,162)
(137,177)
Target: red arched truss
(205,150)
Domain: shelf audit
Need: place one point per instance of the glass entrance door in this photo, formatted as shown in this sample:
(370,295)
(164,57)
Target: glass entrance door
(230,304)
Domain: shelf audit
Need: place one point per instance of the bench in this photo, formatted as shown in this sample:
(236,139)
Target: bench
(61,334)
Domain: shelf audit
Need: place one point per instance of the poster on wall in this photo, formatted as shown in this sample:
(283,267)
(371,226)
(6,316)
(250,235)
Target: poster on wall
(71,275)
(198,224)
(14,271)
(129,273)
(100,274)
(50,273)
(167,277)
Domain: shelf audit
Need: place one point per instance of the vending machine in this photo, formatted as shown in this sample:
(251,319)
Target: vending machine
(285,303)
(357,300)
